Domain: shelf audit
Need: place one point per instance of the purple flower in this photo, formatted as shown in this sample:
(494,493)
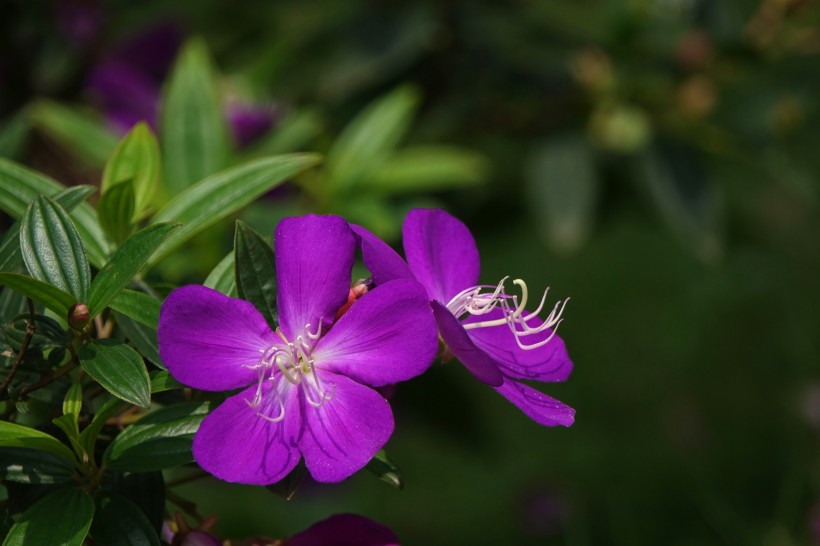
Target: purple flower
(311,381)
(345,530)
(486,328)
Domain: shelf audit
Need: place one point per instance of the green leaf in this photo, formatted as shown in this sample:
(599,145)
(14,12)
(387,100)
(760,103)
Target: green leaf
(140,307)
(427,168)
(83,134)
(222,194)
(119,369)
(383,467)
(125,264)
(62,517)
(116,211)
(51,297)
(222,277)
(162,381)
(13,132)
(32,466)
(287,486)
(289,135)
(19,186)
(88,437)
(145,489)
(193,131)
(143,338)
(52,249)
(161,439)
(11,304)
(562,186)
(370,137)
(11,256)
(136,160)
(256,272)
(14,435)
(73,401)
(120,522)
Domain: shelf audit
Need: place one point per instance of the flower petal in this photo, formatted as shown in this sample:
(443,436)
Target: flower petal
(343,434)
(208,340)
(549,362)
(314,259)
(381,260)
(477,362)
(345,530)
(441,252)
(237,445)
(387,336)
(536,405)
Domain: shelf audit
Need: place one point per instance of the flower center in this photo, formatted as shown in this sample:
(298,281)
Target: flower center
(484,298)
(292,362)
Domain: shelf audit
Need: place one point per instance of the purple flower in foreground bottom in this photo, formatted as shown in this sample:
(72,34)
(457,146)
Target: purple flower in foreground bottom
(311,380)
(345,530)
(488,330)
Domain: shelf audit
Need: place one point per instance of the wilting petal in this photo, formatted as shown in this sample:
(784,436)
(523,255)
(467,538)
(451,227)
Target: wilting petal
(477,362)
(441,252)
(343,434)
(237,445)
(345,530)
(209,341)
(314,258)
(381,260)
(387,336)
(536,405)
(549,362)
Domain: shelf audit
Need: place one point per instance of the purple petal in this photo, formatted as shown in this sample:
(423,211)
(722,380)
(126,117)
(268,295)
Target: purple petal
(208,340)
(387,336)
(343,434)
(441,252)
(547,363)
(237,445)
(381,260)
(125,94)
(314,259)
(345,530)
(477,362)
(199,538)
(248,121)
(152,50)
(536,405)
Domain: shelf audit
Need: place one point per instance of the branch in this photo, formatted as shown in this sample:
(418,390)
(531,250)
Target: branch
(30,329)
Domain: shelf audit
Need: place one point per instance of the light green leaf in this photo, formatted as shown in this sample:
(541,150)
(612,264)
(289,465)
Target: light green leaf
(78,131)
(193,130)
(62,517)
(140,307)
(52,249)
(222,194)
(370,138)
(119,369)
(289,135)
(19,186)
(125,264)
(120,522)
(222,277)
(50,296)
(14,435)
(116,211)
(161,439)
(73,401)
(427,168)
(256,272)
(137,160)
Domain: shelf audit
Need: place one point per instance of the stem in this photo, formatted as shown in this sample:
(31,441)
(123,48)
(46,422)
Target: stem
(187,506)
(30,329)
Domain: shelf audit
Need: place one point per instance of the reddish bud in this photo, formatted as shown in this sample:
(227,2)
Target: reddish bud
(78,316)
(356,291)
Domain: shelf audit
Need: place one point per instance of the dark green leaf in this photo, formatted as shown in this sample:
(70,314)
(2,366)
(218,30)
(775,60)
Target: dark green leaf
(14,435)
(383,467)
(162,381)
(119,369)
(142,337)
(25,465)
(194,135)
(256,272)
(116,211)
(120,522)
(11,304)
(161,439)
(82,133)
(62,517)
(286,488)
(145,489)
(222,278)
(224,193)
(88,437)
(19,186)
(51,297)
(125,264)
(48,333)
(13,133)
(136,160)
(140,307)
(52,249)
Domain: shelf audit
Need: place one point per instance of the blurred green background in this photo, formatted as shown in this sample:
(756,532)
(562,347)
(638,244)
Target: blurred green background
(654,160)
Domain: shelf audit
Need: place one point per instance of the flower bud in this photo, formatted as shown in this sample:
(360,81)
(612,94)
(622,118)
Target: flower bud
(78,316)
